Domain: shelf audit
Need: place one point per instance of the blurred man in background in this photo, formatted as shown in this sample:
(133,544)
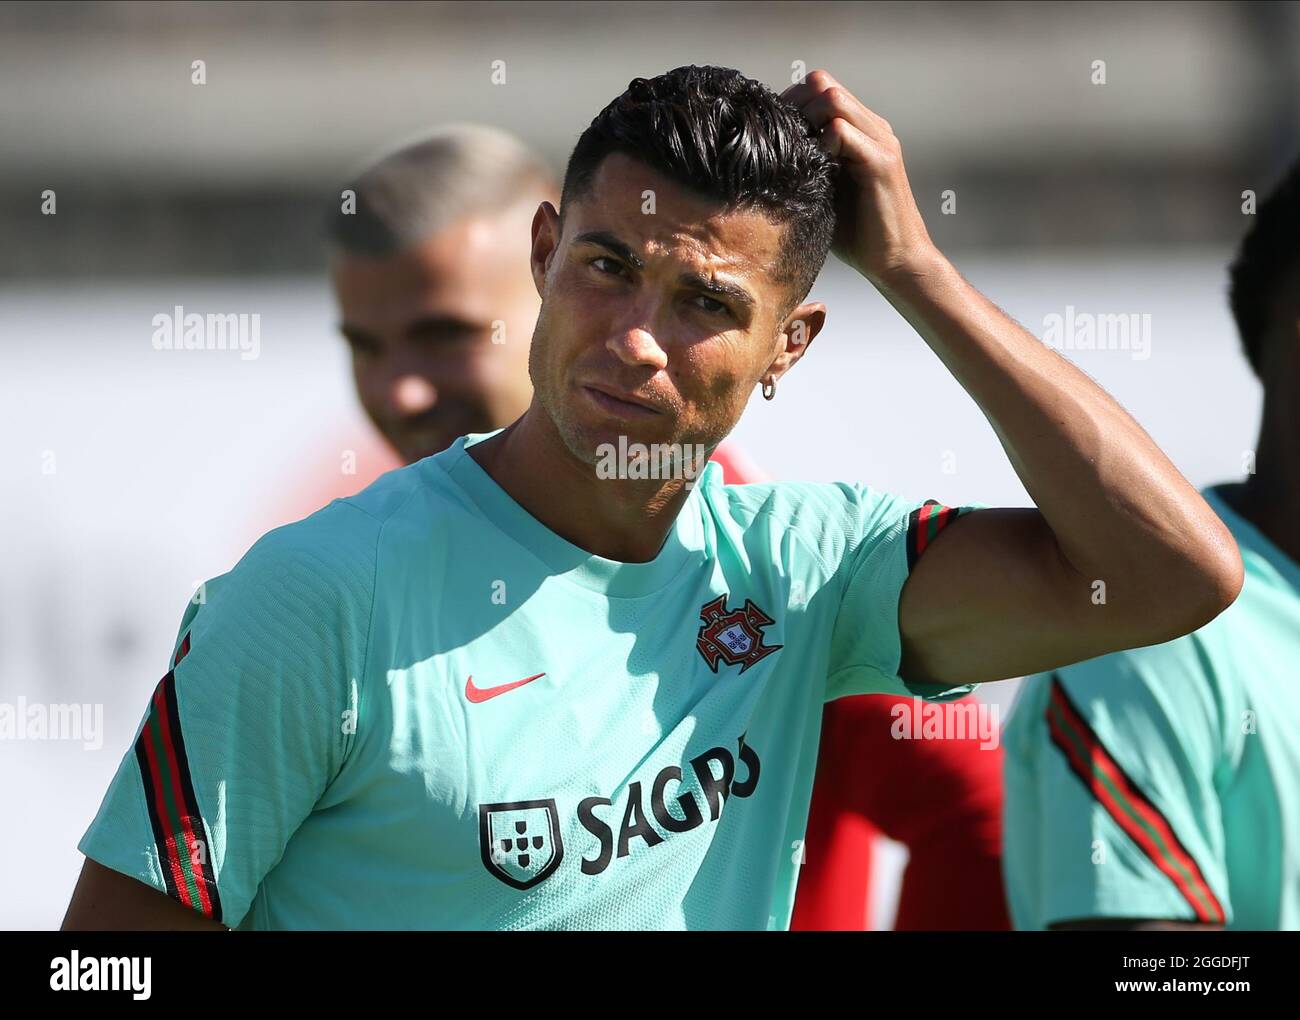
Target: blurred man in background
(430,266)
(430,271)
(1160,786)
(427,247)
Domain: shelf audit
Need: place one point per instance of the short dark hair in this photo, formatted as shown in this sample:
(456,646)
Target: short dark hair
(728,138)
(1267,267)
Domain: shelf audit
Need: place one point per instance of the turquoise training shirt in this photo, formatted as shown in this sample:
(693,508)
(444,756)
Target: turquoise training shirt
(421,708)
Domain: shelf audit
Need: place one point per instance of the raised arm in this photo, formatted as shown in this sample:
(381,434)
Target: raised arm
(1121,550)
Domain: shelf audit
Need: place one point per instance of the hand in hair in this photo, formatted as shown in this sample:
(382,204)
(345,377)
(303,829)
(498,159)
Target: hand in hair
(879,230)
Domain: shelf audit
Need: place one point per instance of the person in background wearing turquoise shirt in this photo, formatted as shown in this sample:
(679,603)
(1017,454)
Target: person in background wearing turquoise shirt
(1160,787)
(504,687)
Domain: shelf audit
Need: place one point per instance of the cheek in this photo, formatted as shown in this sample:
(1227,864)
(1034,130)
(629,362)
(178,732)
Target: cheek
(558,336)
(472,375)
(578,306)
(491,367)
(708,374)
(369,384)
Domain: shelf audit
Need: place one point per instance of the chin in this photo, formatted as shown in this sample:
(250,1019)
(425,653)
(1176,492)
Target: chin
(620,442)
(583,442)
(410,454)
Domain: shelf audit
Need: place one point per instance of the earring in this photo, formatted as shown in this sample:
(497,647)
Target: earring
(769,389)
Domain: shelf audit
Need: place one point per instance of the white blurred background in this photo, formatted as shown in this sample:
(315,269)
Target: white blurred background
(131,474)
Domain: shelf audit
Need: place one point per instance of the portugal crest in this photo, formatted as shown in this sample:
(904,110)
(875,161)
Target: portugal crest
(520,841)
(734,637)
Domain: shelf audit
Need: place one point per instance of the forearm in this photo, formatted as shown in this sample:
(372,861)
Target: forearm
(1120,512)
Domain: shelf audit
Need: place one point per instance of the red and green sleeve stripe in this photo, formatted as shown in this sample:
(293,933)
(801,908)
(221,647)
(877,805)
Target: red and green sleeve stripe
(183,650)
(924,525)
(1103,777)
(184,851)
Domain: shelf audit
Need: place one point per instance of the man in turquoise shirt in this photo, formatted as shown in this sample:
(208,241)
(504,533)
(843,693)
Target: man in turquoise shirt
(1161,786)
(555,677)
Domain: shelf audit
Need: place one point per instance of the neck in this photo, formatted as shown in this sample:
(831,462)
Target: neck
(626,520)
(1270,498)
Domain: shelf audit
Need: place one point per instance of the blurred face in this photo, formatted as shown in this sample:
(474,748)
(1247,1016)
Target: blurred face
(656,326)
(439,333)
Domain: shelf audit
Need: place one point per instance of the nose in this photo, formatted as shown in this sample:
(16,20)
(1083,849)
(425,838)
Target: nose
(412,394)
(638,346)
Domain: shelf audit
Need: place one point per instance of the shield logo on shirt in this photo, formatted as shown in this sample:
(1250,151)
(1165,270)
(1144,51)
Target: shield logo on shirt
(520,841)
(735,637)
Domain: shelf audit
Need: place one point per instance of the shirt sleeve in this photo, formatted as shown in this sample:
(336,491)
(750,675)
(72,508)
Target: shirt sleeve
(251,723)
(888,535)
(1112,807)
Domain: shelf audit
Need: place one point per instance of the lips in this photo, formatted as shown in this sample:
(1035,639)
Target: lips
(618,402)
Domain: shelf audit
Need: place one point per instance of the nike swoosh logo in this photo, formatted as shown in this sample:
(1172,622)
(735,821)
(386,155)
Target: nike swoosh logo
(478,695)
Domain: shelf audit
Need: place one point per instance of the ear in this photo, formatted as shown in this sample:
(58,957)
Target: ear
(546,241)
(797,333)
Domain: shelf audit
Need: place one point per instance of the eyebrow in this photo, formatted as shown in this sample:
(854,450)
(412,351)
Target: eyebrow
(695,281)
(428,324)
(605,239)
(350,332)
(441,324)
